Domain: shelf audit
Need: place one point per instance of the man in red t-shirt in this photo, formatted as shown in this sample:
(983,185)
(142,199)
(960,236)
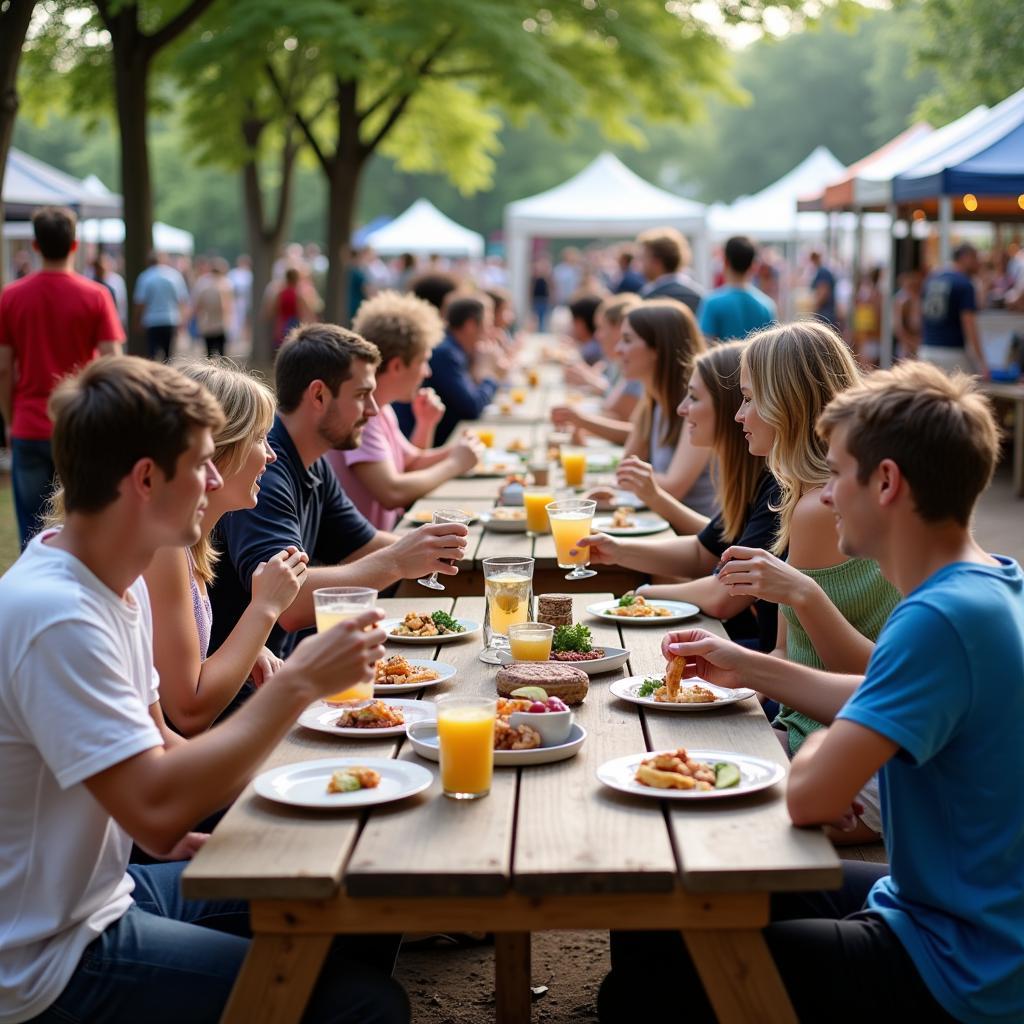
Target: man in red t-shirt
(51,323)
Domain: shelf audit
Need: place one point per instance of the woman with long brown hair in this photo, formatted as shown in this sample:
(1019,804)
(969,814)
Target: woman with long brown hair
(746,494)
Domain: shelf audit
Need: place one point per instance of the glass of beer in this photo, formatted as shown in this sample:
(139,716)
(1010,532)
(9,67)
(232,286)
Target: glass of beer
(571,521)
(531,641)
(444,515)
(508,587)
(465,734)
(336,604)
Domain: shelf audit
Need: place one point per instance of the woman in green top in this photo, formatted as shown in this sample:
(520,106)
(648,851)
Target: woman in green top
(832,607)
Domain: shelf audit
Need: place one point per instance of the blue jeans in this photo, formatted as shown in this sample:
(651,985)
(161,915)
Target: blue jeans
(172,960)
(32,474)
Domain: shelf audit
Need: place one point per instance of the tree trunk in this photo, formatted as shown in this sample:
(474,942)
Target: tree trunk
(14,22)
(343,189)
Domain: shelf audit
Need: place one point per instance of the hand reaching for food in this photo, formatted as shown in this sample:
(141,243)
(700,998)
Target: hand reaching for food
(706,656)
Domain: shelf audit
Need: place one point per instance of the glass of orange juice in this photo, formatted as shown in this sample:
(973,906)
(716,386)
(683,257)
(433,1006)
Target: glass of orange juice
(531,641)
(465,734)
(574,464)
(536,501)
(508,587)
(486,436)
(518,395)
(533,376)
(571,520)
(336,604)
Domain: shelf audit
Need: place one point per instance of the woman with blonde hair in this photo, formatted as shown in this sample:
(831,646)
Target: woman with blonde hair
(659,343)
(833,607)
(746,493)
(194,689)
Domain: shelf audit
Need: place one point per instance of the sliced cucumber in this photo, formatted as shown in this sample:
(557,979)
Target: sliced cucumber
(727,775)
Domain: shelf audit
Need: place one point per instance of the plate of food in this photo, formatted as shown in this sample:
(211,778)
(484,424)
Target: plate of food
(627,522)
(378,718)
(637,610)
(496,462)
(686,695)
(425,516)
(574,645)
(505,519)
(515,745)
(428,628)
(398,674)
(341,783)
(690,774)
(609,499)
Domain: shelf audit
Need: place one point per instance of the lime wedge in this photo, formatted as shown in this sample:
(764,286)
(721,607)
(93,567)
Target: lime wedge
(727,775)
(531,693)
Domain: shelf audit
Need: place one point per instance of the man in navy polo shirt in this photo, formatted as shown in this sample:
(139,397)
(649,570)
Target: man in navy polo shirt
(325,377)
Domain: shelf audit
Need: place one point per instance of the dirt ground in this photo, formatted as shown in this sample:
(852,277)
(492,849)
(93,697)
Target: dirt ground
(449,985)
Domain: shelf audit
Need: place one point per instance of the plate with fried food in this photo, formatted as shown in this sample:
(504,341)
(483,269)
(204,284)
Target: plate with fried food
(428,628)
(399,674)
(627,522)
(378,718)
(683,774)
(672,693)
(341,783)
(637,610)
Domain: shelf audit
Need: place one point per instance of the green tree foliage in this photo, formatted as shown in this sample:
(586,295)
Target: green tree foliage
(976,47)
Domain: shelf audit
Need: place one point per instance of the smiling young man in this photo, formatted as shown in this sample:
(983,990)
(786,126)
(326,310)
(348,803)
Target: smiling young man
(87,760)
(325,379)
(938,934)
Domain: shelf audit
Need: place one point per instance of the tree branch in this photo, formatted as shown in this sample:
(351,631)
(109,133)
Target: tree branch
(306,126)
(181,21)
(399,108)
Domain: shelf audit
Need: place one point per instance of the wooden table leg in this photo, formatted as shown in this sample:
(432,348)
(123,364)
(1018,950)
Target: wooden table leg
(276,979)
(512,977)
(740,977)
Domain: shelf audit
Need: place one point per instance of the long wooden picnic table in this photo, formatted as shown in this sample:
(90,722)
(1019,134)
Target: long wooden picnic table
(549,849)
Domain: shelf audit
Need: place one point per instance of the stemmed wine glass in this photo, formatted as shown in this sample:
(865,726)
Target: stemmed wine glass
(570,521)
(444,515)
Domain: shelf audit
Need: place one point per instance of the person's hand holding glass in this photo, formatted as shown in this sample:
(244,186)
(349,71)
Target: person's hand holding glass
(444,515)
(571,522)
(338,604)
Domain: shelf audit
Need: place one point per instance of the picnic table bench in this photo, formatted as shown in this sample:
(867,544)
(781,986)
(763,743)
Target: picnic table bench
(549,849)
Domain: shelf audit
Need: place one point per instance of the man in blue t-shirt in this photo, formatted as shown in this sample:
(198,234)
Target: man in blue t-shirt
(731,312)
(938,934)
(325,378)
(161,305)
(949,328)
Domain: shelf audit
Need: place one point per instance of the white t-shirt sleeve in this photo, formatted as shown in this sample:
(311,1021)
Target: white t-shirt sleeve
(79,704)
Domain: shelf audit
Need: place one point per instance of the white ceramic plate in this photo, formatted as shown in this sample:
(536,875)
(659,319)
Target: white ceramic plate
(646,523)
(498,525)
(321,717)
(614,657)
(469,628)
(681,611)
(498,463)
(305,784)
(442,668)
(424,516)
(755,774)
(424,742)
(626,689)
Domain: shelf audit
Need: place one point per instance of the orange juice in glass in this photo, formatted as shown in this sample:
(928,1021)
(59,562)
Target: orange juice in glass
(533,376)
(486,436)
(531,641)
(518,395)
(574,464)
(536,501)
(336,604)
(571,520)
(465,733)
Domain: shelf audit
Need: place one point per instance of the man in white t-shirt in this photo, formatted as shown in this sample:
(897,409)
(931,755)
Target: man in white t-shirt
(87,761)
(386,472)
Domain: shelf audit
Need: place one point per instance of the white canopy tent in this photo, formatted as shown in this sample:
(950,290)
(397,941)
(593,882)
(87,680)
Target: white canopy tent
(771,215)
(424,230)
(606,199)
(29,183)
(110,231)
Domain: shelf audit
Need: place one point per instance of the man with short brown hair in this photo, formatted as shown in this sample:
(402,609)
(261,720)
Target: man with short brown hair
(664,256)
(936,934)
(51,322)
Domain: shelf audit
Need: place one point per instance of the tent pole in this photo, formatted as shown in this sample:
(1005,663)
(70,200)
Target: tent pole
(888,288)
(945,229)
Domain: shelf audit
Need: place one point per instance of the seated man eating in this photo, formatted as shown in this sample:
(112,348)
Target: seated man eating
(87,761)
(938,934)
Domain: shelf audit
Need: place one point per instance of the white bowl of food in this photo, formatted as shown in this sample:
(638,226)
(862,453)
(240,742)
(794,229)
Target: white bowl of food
(550,717)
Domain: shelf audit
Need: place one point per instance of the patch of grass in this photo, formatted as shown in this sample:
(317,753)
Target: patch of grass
(10,547)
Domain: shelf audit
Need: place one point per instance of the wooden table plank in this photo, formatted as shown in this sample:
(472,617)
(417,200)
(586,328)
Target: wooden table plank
(575,835)
(264,850)
(442,847)
(746,844)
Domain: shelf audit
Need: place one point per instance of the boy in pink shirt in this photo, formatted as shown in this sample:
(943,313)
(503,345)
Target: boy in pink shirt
(387,472)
